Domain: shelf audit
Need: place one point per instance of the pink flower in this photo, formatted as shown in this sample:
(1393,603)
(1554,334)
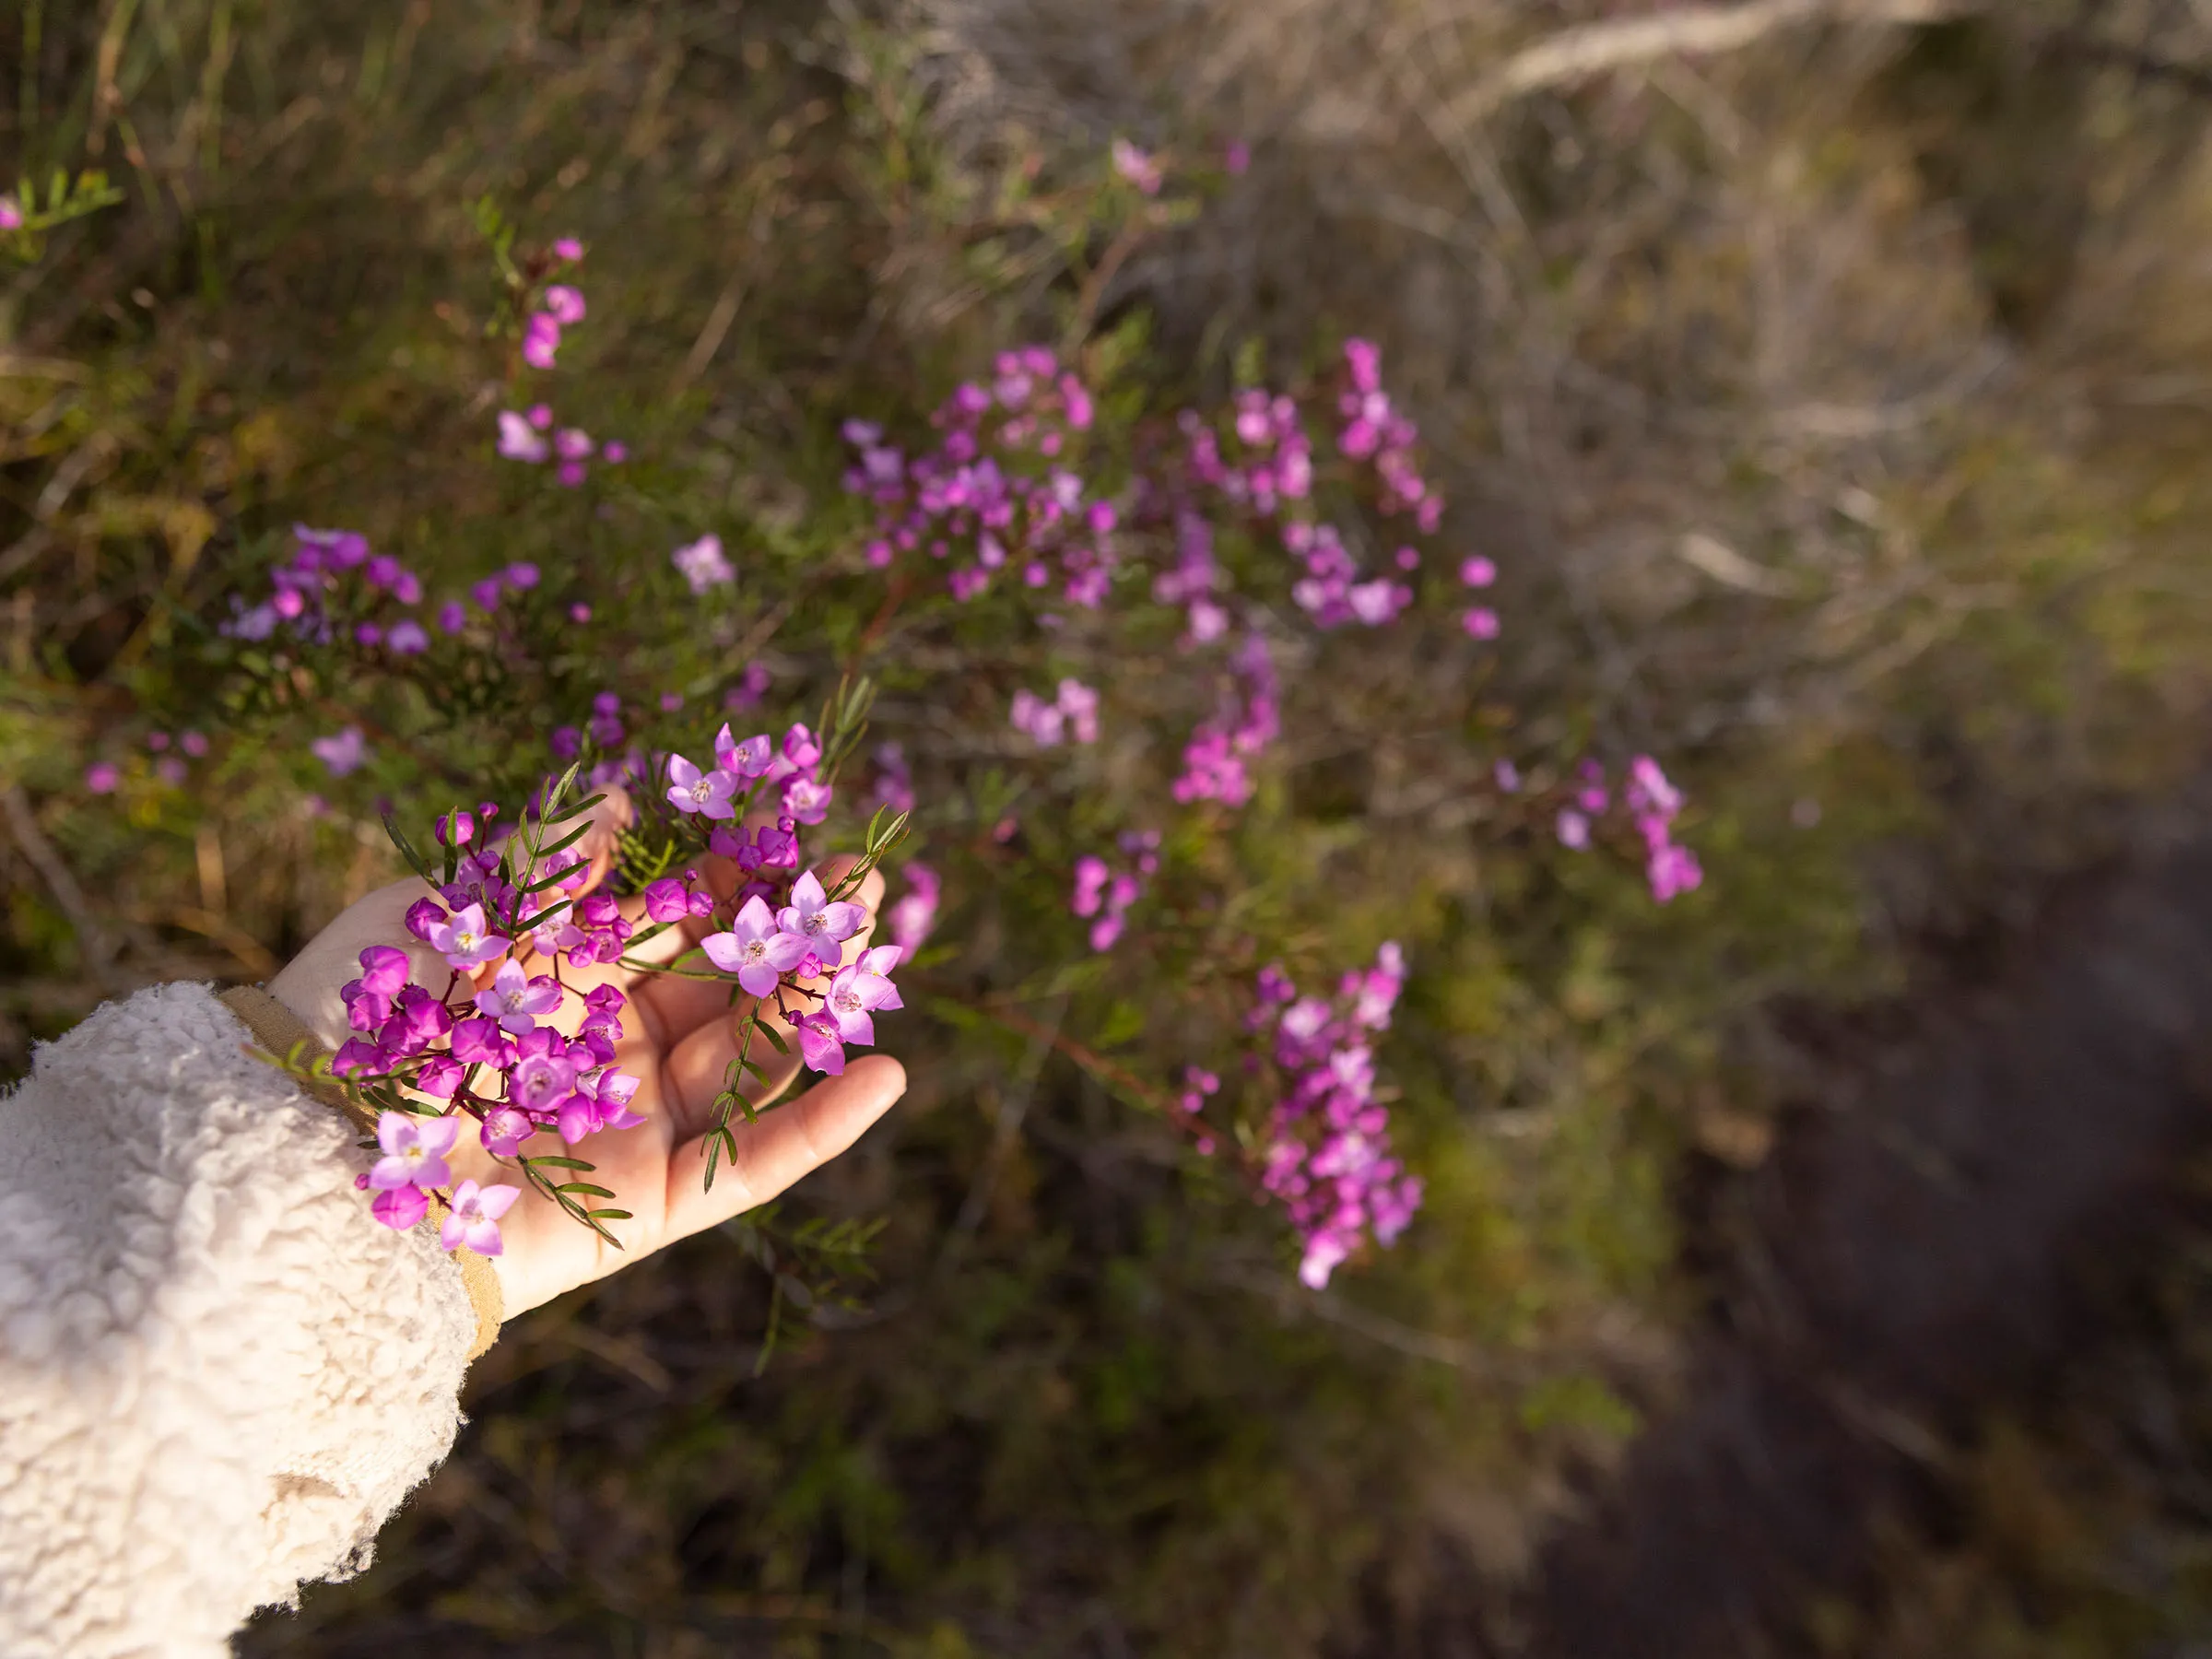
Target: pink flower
(746,760)
(573,443)
(754,948)
(400,1207)
(517,1002)
(564,304)
(807,800)
(385,970)
(702,564)
(11,214)
(479,1042)
(915,911)
(541,339)
(342,752)
(439,1077)
(415,1151)
(1481,623)
(543,1074)
(517,442)
(465,939)
(819,1046)
(1477,572)
(474,1220)
(568,248)
(707,793)
(665,901)
(817,919)
(1079,703)
(1041,721)
(102,777)
(505,1130)
(610,1092)
(858,990)
(1573,831)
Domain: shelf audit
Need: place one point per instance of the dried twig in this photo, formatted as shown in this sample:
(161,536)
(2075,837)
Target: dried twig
(1575,55)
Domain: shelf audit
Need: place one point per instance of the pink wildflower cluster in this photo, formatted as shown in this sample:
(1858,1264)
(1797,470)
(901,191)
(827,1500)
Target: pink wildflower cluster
(509,920)
(996,494)
(1327,1156)
(1106,893)
(333,590)
(530,437)
(1214,761)
(483,1052)
(174,753)
(1264,464)
(1654,802)
(560,306)
(332,577)
(1074,712)
(1375,431)
(1193,582)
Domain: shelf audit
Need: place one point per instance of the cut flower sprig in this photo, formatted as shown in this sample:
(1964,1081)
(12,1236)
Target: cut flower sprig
(514,918)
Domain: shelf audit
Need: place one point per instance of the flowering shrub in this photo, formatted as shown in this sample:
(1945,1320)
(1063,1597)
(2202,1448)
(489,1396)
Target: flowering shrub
(1045,530)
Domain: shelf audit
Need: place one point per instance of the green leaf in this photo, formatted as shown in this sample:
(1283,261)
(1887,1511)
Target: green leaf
(407,848)
(584,1187)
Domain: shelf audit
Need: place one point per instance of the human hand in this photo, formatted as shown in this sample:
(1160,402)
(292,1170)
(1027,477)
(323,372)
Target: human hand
(679,1038)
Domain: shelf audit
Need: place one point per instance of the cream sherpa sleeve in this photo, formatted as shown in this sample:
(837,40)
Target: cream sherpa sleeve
(217,1380)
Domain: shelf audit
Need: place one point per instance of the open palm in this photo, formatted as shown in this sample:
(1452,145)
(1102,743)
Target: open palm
(680,1036)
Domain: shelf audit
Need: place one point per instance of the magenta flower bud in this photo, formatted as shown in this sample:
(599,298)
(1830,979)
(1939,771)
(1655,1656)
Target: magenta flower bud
(439,1077)
(423,916)
(287,603)
(383,969)
(520,575)
(665,901)
(400,1207)
(451,618)
(458,828)
(102,777)
(486,593)
(480,1042)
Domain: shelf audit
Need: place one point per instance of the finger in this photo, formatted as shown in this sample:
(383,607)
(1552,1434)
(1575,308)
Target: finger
(602,842)
(309,984)
(771,1153)
(699,1061)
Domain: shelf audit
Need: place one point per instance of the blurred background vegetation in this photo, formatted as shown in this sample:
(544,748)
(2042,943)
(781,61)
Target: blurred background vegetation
(1831,383)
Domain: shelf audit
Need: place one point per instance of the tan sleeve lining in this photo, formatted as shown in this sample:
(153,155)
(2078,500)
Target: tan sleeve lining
(278,1031)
